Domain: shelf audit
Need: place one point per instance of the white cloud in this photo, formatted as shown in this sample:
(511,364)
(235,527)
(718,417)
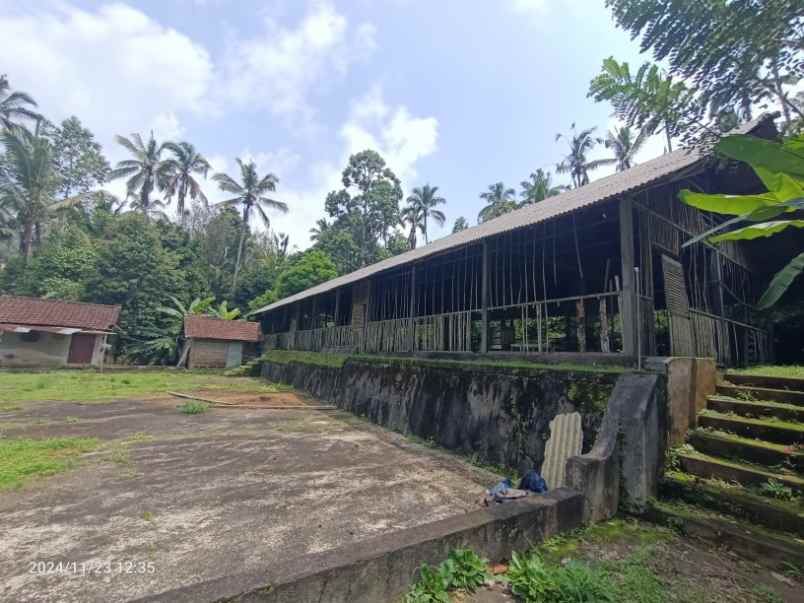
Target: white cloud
(115,68)
(282,67)
(399,137)
(529,7)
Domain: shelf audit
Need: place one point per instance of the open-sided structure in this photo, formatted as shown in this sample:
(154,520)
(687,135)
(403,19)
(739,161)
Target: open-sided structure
(598,269)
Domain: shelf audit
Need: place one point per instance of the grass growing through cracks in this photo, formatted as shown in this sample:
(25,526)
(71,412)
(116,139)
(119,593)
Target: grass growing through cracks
(22,459)
(193,407)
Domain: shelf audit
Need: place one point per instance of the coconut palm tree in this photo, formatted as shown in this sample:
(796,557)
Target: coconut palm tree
(425,199)
(539,187)
(625,144)
(178,173)
(144,172)
(499,200)
(320,228)
(14,105)
(26,182)
(460,224)
(576,163)
(410,216)
(250,194)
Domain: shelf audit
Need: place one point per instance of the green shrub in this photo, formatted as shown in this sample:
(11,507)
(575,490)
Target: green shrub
(464,570)
(773,488)
(535,582)
(431,587)
(192,407)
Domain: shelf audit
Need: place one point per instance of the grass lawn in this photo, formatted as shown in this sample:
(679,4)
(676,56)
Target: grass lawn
(22,459)
(91,386)
(791,370)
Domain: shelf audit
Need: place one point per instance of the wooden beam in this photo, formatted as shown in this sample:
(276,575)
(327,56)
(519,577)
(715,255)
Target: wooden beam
(627,304)
(412,334)
(484,300)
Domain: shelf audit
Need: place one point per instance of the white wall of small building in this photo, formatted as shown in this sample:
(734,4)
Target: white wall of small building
(50,349)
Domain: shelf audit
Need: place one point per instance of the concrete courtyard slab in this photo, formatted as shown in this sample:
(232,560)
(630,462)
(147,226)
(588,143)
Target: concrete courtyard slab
(170,500)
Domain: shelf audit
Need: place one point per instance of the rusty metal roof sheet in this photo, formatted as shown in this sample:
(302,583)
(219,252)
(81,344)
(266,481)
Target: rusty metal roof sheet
(595,192)
(56,313)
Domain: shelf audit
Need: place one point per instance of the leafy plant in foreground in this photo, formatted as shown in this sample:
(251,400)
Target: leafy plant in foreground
(780,167)
(535,582)
(464,570)
(431,587)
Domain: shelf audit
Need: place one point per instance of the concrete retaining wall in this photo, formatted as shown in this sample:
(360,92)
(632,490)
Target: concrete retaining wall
(381,569)
(501,415)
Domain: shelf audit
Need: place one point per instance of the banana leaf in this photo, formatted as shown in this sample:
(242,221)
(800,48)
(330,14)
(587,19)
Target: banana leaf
(733,205)
(767,154)
(781,282)
(758,231)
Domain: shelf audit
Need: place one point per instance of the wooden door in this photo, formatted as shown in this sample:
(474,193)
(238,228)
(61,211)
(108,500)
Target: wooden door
(234,354)
(81,348)
(682,342)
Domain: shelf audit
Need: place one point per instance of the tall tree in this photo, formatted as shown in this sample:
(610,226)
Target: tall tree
(499,200)
(78,158)
(539,187)
(27,182)
(250,196)
(15,105)
(425,200)
(144,171)
(460,224)
(319,230)
(735,53)
(179,172)
(649,100)
(625,144)
(576,163)
(368,204)
(411,219)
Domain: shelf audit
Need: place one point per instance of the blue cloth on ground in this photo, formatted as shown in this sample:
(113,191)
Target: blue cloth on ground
(500,488)
(534,482)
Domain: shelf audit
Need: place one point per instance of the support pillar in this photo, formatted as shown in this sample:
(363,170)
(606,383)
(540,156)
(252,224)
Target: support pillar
(412,333)
(627,298)
(337,307)
(484,300)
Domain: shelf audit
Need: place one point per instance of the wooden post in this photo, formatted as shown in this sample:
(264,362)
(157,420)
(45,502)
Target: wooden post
(337,307)
(627,307)
(412,332)
(484,300)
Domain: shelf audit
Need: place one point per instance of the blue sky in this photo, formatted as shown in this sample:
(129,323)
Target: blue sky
(457,94)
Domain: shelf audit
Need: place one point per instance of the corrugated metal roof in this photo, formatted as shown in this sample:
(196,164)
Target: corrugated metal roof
(595,192)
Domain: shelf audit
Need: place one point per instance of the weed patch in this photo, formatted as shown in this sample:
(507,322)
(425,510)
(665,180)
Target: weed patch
(193,407)
(22,459)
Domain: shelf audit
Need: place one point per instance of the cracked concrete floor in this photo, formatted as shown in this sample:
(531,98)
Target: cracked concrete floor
(170,500)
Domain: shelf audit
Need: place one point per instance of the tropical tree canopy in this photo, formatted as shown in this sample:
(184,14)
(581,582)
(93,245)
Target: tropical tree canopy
(15,106)
(178,175)
(625,144)
(576,162)
(143,171)
(539,187)
(251,195)
(499,200)
(423,203)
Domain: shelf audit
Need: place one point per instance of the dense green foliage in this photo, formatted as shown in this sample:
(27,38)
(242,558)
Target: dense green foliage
(780,167)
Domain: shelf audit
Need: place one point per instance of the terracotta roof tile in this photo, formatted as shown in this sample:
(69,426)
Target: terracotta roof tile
(206,327)
(57,313)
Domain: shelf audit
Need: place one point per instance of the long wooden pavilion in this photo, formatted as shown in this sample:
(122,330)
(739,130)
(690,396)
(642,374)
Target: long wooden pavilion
(599,270)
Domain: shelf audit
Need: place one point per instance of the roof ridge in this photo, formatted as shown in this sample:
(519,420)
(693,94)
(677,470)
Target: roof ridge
(57,301)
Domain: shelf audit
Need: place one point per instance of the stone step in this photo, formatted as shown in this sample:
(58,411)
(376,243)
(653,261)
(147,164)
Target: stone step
(785,516)
(768,430)
(703,465)
(785,412)
(761,394)
(731,446)
(769,548)
(766,381)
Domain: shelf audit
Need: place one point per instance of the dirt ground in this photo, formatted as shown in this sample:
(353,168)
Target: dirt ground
(171,499)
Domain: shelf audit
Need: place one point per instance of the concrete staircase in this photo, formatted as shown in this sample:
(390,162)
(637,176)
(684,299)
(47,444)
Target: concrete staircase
(740,477)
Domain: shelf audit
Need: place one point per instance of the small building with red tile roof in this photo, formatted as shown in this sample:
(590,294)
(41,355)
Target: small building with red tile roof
(36,332)
(218,343)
